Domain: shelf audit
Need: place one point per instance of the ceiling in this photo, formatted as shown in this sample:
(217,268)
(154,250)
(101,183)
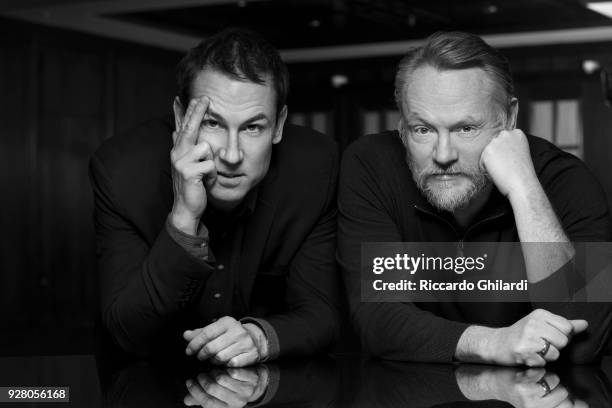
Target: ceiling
(310,30)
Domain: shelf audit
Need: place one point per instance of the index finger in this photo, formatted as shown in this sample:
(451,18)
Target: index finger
(558,322)
(188,135)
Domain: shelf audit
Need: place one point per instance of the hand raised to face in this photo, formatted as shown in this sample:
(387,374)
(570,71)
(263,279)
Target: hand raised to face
(193,167)
(508,162)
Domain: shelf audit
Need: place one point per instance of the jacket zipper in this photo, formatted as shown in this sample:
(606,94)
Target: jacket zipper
(460,239)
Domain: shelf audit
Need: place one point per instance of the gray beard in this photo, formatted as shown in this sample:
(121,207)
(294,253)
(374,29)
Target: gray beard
(449,199)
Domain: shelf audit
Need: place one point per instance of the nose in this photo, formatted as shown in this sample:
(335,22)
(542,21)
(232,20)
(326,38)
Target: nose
(444,154)
(232,153)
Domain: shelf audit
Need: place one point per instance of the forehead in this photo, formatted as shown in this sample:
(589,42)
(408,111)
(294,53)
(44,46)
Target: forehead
(231,96)
(448,93)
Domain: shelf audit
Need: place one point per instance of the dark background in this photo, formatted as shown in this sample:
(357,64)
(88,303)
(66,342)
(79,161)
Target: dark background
(63,92)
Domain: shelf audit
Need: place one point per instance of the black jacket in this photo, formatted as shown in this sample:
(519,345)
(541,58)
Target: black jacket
(150,286)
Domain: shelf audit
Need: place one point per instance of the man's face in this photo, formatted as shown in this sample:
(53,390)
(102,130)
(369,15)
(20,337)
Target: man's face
(240,126)
(448,117)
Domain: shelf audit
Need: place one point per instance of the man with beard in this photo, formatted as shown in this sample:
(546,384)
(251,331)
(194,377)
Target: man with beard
(457,169)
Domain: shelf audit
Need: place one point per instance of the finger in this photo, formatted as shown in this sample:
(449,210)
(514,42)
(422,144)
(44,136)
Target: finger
(553,335)
(242,344)
(191,128)
(552,380)
(190,401)
(200,171)
(208,333)
(579,325)
(560,323)
(535,360)
(555,397)
(176,135)
(580,404)
(532,374)
(248,375)
(199,395)
(190,334)
(552,354)
(201,152)
(244,359)
(239,387)
(187,115)
(219,392)
(215,346)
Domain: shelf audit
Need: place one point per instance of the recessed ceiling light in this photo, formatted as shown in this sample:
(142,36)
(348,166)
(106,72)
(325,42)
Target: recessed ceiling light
(601,7)
(315,23)
(339,80)
(590,66)
(491,9)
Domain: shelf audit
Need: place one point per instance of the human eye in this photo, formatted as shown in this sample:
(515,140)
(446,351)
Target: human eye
(253,128)
(467,130)
(210,123)
(421,130)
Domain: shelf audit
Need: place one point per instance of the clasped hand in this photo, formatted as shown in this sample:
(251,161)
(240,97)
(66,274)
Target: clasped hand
(227,342)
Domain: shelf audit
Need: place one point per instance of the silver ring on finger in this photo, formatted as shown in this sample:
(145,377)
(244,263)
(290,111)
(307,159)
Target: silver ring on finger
(544,349)
(542,383)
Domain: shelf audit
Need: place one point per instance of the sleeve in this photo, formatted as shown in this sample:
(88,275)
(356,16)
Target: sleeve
(142,286)
(582,208)
(196,245)
(399,331)
(311,323)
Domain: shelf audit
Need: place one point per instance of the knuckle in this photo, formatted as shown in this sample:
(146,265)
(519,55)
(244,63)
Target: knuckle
(208,387)
(227,320)
(207,349)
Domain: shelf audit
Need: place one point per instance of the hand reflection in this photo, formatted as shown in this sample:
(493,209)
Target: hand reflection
(230,387)
(520,388)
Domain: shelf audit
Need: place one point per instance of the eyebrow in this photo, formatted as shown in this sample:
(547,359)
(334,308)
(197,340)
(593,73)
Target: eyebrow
(469,120)
(219,118)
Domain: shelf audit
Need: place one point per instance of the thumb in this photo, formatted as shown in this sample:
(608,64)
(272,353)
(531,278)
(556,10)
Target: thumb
(579,325)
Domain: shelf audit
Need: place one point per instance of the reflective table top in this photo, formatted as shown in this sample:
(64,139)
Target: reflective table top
(344,380)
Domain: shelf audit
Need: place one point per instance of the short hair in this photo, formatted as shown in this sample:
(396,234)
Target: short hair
(456,50)
(238,53)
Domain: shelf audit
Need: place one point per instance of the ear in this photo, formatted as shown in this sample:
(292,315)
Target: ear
(280,122)
(177,107)
(512,114)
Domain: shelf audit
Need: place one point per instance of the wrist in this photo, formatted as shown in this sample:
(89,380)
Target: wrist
(477,345)
(259,338)
(474,382)
(184,221)
(525,190)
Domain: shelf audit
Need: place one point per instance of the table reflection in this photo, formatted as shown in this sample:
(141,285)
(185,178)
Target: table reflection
(355,381)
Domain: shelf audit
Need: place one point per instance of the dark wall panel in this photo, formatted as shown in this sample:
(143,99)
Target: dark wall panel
(16,158)
(62,95)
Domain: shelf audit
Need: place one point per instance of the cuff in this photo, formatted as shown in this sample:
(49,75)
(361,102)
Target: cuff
(270,333)
(271,389)
(196,245)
